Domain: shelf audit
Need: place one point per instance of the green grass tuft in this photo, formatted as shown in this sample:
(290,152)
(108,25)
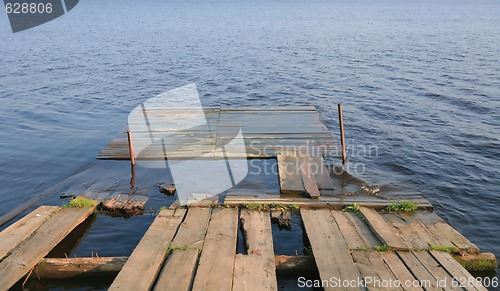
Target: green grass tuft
(170,249)
(352,208)
(449,250)
(403,206)
(80,202)
(383,249)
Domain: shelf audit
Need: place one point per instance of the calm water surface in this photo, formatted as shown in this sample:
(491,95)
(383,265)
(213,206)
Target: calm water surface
(420,83)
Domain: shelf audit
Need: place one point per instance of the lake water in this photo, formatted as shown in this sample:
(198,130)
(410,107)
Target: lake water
(420,85)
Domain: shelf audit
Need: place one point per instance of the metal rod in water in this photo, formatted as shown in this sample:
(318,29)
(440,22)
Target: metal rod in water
(131,148)
(342,140)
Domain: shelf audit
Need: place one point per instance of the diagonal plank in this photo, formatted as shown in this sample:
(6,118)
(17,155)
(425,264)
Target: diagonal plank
(150,253)
(256,271)
(187,244)
(331,252)
(308,178)
(179,271)
(438,272)
(18,232)
(216,266)
(400,271)
(374,270)
(289,173)
(456,270)
(419,271)
(44,239)
(387,233)
(352,236)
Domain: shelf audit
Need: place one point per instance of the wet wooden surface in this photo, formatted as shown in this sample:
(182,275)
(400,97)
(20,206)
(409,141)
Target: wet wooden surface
(266,131)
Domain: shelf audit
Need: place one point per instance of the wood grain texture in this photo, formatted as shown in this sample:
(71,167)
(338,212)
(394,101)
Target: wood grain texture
(400,271)
(22,229)
(331,252)
(180,268)
(216,266)
(256,271)
(374,270)
(386,232)
(147,258)
(455,269)
(24,257)
(178,272)
(289,173)
(352,236)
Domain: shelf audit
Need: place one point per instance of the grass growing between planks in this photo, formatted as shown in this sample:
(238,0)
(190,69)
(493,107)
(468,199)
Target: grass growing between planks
(80,202)
(355,208)
(403,206)
(170,249)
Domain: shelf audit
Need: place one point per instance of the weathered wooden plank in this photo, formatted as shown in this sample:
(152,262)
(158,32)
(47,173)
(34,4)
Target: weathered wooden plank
(215,269)
(414,237)
(386,233)
(252,272)
(331,252)
(44,239)
(178,272)
(350,233)
(187,243)
(456,270)
(452,235)
(440,275)
(258,234)
(400,271)
(256,271)
(18,232)
(369,238)
(193,229)
(338,202)
(374,270)
(66,268)
(419,271)
(295,265)
(98,267)
(289,173)
(148,256)
(308,180)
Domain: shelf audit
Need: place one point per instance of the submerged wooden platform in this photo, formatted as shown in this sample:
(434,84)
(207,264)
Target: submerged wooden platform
(29,240)
(195,249)
(266,131)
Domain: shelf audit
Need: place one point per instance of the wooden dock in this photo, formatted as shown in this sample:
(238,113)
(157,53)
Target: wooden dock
(266,131)
(195,249)
(354,240)
(29,240)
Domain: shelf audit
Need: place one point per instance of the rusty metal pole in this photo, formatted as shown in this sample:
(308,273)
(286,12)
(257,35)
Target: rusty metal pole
(131,148)
(342,139)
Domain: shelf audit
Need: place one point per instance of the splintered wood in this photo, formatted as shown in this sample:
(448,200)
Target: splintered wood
(256,270)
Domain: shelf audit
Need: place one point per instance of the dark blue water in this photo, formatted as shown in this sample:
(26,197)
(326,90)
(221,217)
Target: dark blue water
(420,84)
